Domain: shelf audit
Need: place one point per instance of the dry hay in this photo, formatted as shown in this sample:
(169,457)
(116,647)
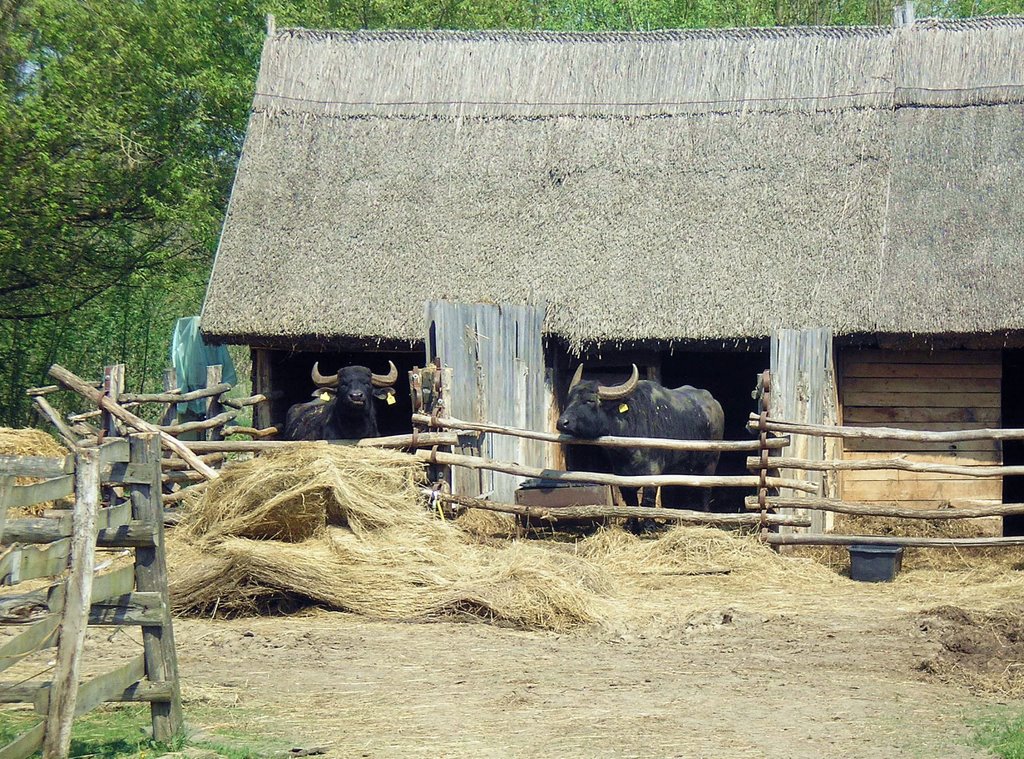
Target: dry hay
(838,557)
(349,528)
(30,442)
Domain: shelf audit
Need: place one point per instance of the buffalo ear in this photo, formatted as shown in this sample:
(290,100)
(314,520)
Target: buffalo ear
(383,393)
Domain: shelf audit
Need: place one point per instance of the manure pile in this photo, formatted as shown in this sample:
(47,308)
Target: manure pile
(349,528)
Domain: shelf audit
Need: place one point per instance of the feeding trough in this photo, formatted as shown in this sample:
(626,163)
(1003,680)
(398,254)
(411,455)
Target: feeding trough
(875,563)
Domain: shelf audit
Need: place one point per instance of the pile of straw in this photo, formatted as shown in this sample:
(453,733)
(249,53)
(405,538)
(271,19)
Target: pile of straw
(348,528)
(29,442)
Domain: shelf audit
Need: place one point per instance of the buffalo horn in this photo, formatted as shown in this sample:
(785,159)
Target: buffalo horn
(331,380)
(385,380)
(614,392)
(576,377)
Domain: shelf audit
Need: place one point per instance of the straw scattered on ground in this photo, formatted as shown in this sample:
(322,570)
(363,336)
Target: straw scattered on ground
(349,529)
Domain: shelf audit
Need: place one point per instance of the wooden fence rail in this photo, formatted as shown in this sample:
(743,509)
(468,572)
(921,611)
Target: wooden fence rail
(58,615)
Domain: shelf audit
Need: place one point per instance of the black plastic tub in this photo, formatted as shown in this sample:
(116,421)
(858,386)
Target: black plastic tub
(871,562)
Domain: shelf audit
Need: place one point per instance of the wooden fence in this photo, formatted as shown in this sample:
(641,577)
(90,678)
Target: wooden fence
(769,499)
(116,487)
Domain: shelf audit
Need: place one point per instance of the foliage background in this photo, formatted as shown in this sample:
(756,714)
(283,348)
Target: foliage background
(121,122)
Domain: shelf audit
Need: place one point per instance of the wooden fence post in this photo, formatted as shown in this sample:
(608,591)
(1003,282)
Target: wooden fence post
(151,576)
(213,405)
(170,382)
(113,386)
(74,621)
(6,483)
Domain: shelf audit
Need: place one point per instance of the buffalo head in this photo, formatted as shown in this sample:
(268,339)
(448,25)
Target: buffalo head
(587,413)
(353,385)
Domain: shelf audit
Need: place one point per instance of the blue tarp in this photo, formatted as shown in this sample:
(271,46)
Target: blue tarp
(190,356)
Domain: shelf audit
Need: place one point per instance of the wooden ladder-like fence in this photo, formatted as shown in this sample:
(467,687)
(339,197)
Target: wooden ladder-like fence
(117,505)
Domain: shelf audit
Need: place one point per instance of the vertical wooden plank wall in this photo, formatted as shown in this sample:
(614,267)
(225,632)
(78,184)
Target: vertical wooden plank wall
(497,360)
(802,390)
(921,390)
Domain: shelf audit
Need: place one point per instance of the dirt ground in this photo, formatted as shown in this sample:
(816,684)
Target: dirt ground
(851,679)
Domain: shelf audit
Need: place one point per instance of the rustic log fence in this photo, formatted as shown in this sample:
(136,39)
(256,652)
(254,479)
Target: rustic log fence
(65,540)
(964,509)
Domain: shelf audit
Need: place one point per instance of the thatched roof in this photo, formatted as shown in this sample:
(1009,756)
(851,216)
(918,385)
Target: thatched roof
(646,186)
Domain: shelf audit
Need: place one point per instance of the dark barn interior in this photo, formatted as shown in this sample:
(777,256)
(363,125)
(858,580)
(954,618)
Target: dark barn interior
(1013,450)
(729,376)
(290,375)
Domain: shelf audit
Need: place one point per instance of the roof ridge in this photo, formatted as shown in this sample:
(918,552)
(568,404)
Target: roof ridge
(661,35)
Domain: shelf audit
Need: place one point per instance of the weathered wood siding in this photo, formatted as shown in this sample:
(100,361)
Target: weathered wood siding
(921,390)
(497,359)
(803,390)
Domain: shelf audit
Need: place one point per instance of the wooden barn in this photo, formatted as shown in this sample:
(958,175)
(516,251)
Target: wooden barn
(840,204)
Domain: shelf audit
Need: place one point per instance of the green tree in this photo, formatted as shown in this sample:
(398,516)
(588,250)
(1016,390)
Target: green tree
(121,122)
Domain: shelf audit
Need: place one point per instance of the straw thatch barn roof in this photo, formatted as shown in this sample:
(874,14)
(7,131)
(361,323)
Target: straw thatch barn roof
(645,186)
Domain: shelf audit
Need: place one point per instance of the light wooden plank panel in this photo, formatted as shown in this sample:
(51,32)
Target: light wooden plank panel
(47,490)
(919,491)
(871,355)
(904,446)
(966,387)
(25,744)
(928,426)
(959,458)
(893,416)
(899,475)
(853,369)
(29,562)
(929,400)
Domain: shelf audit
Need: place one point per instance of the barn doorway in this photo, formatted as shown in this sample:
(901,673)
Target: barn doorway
(290,377)
(1013,450)
(730,376)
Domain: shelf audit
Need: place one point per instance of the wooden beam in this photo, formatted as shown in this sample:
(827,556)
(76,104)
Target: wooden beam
(144,691)
(30,562)
(151,577)
(598,511)
(687,480)
(70,380)
(46,467)
(201,424)
(195,395)
(884,510)
(64,694)
(129,609)
(47,490)
(423,439)
(26,744)
(845,465)
(50,414)
(832,539)
(889,433)
(610,441)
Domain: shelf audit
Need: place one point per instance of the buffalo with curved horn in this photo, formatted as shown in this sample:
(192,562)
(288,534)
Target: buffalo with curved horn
(348,413)
(640,408)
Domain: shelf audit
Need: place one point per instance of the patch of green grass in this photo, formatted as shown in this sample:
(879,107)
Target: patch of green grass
(1001,733)
(118,732)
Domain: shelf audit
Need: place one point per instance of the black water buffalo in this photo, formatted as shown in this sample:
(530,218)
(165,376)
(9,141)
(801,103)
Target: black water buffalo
(639,408)
(347,412)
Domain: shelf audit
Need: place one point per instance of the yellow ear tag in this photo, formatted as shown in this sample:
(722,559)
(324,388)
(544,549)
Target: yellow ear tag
(623,408)
(391,399)
(325,396)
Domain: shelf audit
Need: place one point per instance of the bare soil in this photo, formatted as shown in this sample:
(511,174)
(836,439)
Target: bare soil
(865,679)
